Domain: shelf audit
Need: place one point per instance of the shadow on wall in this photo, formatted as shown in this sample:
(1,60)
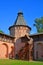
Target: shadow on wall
(11,54)
(22,48)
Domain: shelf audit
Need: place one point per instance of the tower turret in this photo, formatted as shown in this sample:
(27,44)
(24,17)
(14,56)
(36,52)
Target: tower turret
(19,28)
(21,33)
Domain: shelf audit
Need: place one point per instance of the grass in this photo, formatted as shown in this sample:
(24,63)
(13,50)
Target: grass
(19,62)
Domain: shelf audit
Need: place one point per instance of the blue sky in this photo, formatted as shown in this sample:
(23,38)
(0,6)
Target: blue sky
(9,8)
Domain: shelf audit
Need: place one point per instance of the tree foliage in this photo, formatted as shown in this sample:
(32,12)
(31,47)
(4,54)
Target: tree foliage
(39,24)
(1,31)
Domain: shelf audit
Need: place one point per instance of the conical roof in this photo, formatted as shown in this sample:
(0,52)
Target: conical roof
(20,19)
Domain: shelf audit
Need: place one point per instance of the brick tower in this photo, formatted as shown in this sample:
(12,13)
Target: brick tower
(19,28)
(21,31)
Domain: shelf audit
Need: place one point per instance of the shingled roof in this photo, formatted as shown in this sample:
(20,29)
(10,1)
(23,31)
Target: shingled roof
(20,19)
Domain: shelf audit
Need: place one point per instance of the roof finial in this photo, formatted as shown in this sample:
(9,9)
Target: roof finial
(20,13)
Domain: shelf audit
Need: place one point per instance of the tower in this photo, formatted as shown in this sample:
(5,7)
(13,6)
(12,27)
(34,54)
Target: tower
(19,28)
(21,32)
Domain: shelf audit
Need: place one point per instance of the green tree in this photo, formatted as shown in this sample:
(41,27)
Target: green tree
(39,24)
(1,31)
